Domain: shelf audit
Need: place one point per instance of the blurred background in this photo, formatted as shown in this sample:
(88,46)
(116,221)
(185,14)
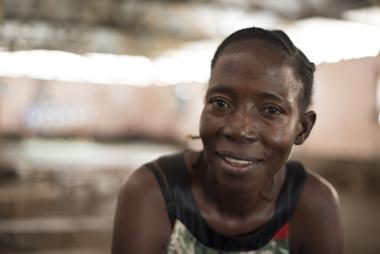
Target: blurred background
(92,89)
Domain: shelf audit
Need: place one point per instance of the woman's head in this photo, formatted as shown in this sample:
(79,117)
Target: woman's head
(255,105)
(302,67)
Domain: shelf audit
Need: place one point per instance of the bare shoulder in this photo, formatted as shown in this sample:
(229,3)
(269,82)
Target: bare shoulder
(140,184)
(141,215)
(318,193)
(316,221)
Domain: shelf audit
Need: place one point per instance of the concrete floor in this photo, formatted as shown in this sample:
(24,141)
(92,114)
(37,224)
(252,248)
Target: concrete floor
(59,196)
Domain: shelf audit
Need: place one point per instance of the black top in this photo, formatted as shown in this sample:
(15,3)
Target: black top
(174,180)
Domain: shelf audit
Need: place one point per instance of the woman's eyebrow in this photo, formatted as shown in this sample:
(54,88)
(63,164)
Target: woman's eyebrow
(274,96)
(219,89)
(271,95)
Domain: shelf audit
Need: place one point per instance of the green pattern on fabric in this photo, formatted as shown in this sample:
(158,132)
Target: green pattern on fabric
(183,242)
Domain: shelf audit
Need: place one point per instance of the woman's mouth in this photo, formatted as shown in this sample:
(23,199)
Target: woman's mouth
(238,164)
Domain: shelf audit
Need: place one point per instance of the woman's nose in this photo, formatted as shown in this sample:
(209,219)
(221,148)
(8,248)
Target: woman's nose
(242,129)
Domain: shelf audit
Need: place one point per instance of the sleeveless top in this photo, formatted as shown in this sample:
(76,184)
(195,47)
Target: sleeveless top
(192,235)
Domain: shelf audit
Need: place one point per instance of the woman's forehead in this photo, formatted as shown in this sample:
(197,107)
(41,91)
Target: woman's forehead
(243,70)
(245,66)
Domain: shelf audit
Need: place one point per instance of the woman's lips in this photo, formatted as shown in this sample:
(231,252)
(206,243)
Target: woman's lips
(237,163)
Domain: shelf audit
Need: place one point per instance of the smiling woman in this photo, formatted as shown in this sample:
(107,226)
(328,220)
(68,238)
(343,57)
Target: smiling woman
(240,194)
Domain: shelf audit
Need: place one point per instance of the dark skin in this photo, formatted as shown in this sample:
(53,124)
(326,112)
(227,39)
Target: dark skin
(251,120)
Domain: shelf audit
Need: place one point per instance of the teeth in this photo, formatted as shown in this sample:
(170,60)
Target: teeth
(241,162)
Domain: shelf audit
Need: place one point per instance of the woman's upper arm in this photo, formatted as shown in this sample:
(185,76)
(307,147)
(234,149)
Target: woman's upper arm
(317,221)
(141,223)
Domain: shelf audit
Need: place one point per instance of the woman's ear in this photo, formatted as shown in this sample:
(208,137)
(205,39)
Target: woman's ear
(307,122)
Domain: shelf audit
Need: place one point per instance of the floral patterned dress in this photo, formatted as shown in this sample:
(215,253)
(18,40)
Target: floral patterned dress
(183,242)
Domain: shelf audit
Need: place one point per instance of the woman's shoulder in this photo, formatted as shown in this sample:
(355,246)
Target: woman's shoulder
(140,190)
(312,186)
(318,193)
(143,178)
(140,208)
(144,183)
(140,182)
(316,220)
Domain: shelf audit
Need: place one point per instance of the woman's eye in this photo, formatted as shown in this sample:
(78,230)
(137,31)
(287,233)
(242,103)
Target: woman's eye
(272,110)
(220,104)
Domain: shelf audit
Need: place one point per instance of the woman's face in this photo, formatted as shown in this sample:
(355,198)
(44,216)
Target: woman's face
(251,115)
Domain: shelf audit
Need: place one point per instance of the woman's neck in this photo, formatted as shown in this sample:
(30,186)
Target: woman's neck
(238,197)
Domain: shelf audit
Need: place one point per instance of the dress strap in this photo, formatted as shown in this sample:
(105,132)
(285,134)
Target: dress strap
(292,189)
(165,190)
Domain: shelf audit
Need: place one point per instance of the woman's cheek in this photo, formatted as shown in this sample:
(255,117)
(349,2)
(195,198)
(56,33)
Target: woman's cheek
(204,124)
(278,138)
(209,126)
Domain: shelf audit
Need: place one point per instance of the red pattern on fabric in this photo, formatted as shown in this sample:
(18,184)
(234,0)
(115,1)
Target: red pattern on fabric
(282,233)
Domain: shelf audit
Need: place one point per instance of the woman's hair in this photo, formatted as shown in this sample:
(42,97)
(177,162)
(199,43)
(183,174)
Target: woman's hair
(303,68)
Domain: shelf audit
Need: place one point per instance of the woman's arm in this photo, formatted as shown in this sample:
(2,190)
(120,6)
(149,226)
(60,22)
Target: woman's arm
(141,222)
(316,224)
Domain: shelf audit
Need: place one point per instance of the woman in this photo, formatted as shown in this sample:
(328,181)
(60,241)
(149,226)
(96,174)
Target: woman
(240,194)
